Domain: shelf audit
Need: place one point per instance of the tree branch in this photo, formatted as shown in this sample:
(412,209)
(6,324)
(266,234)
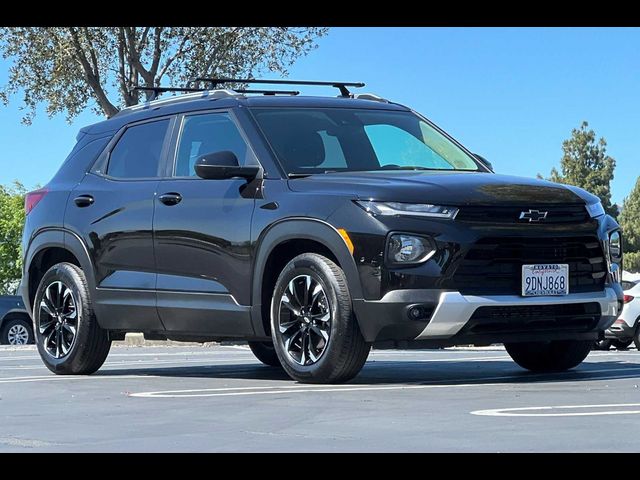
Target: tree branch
(107,107)
(92,52)
(134,57)
(181,51)
(157,53)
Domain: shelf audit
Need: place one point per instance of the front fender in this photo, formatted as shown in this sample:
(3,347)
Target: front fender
(305,229)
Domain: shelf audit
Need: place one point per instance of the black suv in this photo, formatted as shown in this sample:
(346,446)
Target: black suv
(312,227)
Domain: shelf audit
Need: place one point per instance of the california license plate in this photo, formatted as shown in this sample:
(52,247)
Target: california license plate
(545,279)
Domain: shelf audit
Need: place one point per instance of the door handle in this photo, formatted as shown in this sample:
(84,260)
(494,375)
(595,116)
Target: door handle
(170,198)
(83,200)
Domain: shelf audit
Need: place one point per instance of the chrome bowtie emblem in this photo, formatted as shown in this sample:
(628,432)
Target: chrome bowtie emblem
(533,215)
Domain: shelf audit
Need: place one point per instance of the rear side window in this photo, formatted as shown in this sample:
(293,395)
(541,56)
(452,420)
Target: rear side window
(137,153)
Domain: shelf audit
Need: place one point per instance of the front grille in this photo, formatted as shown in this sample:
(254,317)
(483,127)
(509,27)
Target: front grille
(580,317)
(493,266)
(502,214)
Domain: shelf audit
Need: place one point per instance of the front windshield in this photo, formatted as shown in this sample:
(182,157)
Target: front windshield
(318,140)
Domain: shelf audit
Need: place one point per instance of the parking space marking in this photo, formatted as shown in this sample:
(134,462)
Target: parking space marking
(49,378)
(143,363)
(279,390)
(551,411)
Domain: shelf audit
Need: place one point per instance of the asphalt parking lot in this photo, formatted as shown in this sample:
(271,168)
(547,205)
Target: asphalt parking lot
(221,399)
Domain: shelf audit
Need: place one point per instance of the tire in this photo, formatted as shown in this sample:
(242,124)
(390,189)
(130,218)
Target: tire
(636,336)
(88,347)
(265,352)
(604,344)
(326,324)
(16,331)
(556,356)
(622,344)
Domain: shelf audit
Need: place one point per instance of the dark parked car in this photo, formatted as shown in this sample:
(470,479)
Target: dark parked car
(312,227)
(16,327)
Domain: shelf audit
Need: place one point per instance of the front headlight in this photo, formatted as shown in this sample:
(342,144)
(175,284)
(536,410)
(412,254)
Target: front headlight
(409,249)
(595,209)
(408,209)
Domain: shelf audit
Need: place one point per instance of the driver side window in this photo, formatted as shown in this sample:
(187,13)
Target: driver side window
(207,133)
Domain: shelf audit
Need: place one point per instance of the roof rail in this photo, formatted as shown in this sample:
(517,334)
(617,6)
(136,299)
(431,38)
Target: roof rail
(215,82)
(370,96)
(195,93)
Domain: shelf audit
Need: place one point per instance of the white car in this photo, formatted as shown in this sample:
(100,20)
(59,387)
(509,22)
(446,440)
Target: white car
(626,329)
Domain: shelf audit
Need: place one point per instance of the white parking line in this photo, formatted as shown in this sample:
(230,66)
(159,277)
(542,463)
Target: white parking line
(278,390)
(145,363)
(50,378)
(550,411)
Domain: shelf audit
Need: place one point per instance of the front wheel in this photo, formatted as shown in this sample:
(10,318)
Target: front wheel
(315,333)
(556,356)
(69,339)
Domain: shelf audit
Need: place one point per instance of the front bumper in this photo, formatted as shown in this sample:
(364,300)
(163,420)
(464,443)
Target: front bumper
(448,312)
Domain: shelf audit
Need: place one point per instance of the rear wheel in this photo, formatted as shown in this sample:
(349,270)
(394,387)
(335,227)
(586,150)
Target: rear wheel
(68,336)
(16,331)
(314,331)
(622,344)
(604,344)
(265,352)
(556,356)
(636,336)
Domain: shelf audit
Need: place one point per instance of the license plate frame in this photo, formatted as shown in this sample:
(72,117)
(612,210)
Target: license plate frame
(545,279)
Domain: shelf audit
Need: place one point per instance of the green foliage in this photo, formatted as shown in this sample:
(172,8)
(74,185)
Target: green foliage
(630,222)
(585,164)
(11,224)
(631,262)
(70,68)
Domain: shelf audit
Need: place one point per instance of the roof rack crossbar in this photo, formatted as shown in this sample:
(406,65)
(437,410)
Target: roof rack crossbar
(215,82)
(158,90)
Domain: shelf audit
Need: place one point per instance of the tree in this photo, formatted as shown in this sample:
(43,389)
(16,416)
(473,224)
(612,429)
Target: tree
(630,222)
(70,68)
(11,224)
(585,164)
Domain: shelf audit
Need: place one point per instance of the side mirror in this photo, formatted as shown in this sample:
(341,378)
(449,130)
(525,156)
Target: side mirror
(484,161)
(223,165)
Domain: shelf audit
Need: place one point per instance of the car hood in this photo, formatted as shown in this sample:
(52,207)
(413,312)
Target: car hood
(442,187)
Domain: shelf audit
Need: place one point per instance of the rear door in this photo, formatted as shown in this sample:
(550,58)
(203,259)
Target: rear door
(112,209)
(202,231)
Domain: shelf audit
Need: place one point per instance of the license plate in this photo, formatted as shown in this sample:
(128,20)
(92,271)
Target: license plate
(545,279)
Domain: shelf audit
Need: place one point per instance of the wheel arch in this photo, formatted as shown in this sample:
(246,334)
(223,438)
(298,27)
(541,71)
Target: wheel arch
(48,247)
(13,314)
(319,236)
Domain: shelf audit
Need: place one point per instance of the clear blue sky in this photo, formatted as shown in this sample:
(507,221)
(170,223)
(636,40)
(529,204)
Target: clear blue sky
(510,94)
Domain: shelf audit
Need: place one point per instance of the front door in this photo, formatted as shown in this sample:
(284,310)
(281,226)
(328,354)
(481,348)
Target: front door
(112,208)
(202,232)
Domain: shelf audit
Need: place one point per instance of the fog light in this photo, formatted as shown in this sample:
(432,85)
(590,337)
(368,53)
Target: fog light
(409,249)
(419,312)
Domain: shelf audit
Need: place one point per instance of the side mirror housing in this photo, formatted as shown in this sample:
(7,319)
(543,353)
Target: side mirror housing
(484,161)
(223,165)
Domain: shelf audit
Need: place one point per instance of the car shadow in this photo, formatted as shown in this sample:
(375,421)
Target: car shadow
(378,372)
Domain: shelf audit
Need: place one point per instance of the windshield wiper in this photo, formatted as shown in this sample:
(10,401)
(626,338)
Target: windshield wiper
(298,175)
(411,167)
